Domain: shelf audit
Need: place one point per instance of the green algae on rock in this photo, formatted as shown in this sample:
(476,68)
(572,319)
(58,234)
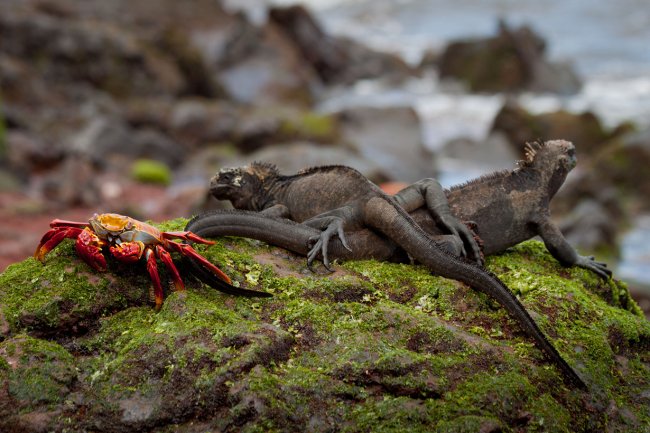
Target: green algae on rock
(372,347)
(151,171)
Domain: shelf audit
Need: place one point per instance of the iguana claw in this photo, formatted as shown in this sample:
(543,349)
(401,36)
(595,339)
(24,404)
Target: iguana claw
(599,268)
(469,245)
(321,244)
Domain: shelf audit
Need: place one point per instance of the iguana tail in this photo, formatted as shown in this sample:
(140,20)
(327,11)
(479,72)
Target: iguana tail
(281,232)
(287,234)
(385,216)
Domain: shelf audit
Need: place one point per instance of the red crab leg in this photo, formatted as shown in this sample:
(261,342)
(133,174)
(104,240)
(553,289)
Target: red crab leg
(188,251)
(164,256)
(152,268)
(188,236)
(65,223)
(54,237)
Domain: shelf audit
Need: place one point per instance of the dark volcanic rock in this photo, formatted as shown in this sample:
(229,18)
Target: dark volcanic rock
(27,154)
(624,162)
(264,67)
(196,122)
(592,226)
(335,60)
(390,138)
(113,61)
(106,137)
(74,183)
(635,150)
(513,60)
(323,52)
(520,127)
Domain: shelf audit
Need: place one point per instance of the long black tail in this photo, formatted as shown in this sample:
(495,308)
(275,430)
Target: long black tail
(211,280)
(283,233)
(395,223)
(287,234)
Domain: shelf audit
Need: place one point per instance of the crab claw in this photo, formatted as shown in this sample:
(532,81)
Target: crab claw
(89,248)
(54,237)
(127,252)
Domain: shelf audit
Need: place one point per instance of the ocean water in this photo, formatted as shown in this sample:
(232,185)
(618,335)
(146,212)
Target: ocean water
(606,43)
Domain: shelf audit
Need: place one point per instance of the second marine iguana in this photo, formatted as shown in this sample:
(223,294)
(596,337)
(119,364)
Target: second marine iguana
(336,199)
(510,206)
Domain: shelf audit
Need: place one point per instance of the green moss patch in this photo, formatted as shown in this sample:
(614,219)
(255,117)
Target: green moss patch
(309,125)
(150,171)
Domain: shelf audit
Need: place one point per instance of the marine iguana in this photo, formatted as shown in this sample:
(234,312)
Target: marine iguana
(510,206)
(335,199)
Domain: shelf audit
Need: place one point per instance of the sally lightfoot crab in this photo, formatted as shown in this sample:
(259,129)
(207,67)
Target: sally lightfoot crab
(129,240)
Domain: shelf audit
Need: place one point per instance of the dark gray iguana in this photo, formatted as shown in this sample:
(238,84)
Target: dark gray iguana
(339,201)
(511,206)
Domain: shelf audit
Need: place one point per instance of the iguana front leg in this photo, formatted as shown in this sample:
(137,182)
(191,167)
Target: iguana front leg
(429,192)
(560,248)
(277,211)
(331,223)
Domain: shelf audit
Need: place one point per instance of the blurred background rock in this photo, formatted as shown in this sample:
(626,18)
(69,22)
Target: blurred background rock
(131,106)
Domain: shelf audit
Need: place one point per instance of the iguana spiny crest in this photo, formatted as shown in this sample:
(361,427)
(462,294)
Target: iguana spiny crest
(549,156)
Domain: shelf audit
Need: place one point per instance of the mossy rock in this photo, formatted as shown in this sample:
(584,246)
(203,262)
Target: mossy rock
(310,125)
(371,347)
(150,171)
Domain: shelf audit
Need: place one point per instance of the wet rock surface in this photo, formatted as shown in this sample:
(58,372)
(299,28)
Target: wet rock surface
(390,138)
(336,60)
(520,127)
(370,347)
(514,60)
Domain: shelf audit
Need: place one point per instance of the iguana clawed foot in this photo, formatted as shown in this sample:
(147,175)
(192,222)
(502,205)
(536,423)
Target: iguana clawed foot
(599,268)
(321,243)
(470,247)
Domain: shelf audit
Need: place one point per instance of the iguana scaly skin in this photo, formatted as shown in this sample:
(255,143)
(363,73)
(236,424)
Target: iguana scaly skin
(338,199)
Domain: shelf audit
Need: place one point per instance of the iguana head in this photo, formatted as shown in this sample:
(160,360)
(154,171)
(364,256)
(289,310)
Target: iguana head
(246,187)
(553,159)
